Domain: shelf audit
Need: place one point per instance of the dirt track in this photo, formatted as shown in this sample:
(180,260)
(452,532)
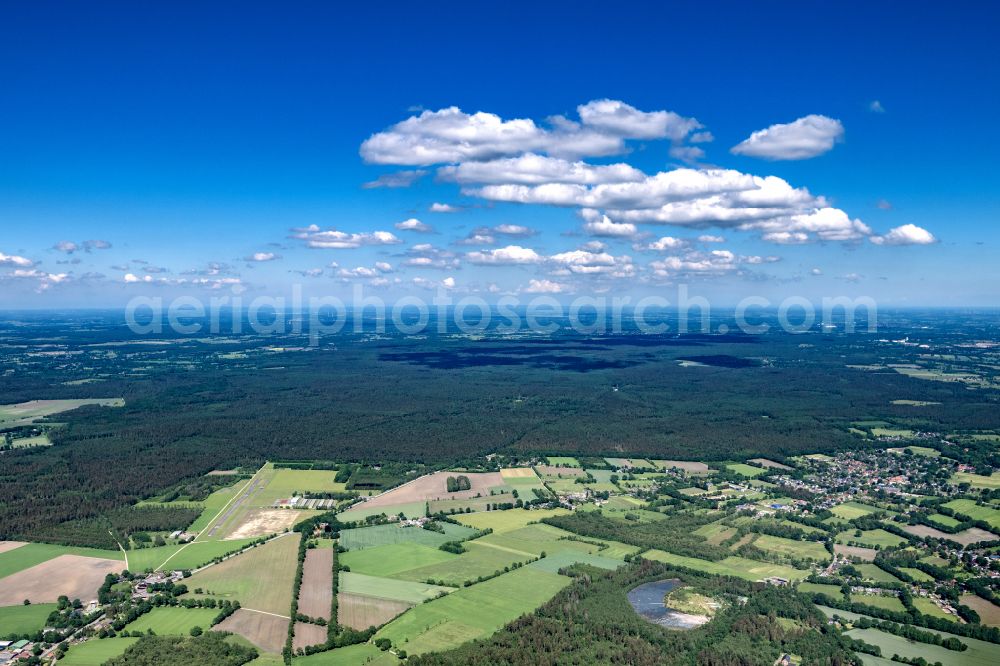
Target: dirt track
(73,575)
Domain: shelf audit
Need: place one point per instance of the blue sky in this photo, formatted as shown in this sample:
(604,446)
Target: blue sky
(188,146)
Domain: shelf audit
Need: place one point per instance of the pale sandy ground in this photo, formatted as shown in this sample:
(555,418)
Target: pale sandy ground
(434,486)
(73,575)
(259,522)
(10,545)
(965,537)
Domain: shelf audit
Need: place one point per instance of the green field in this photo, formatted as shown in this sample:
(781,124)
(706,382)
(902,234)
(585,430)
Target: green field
(748,471)
(812,550)
(969,508)
(504,521)
(730,566)
(284,483)
(564,461)
(392,533)
(871,538)
(565,558)
(388,588)
(174,620)
(360,512)
(943,520)
(872,572)
(850,510)
(260,578)
(886,603)
(820,588)
(979,653)
(478,560)
(28,555)
(394,558)
(917,574)
(928,607)
(472,612)
(18,620)
(918,451)
(176,557)
(976,481)
(533,540)
(96,651)
(352,655)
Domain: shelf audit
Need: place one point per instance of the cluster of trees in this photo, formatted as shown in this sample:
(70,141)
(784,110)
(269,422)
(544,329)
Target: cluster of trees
(204,648)
(115,526)
(458,483)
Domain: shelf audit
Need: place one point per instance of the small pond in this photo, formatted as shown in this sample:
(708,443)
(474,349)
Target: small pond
(647,600)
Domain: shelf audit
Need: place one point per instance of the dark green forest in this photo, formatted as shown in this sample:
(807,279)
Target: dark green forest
(190,408)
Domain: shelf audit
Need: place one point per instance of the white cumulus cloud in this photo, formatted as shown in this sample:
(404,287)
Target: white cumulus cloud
(801,139)
(907,234)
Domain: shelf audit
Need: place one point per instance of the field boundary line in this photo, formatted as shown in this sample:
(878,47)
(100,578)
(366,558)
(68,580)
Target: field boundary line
(254,610)
(214,518)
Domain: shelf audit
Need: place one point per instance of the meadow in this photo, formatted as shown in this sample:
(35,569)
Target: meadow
(393,533)
(505,521)
(18,620)
(563,461)
(748,471)
(991,482)
(871,538)
(479,560)
(851,510)
(967,507)
(928,607)
(878,601)
(731,566)
(872,572)
(173,620)
(388,588)
(393,559)
(811,550)
(820,588)
(472,612)
(96,652)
